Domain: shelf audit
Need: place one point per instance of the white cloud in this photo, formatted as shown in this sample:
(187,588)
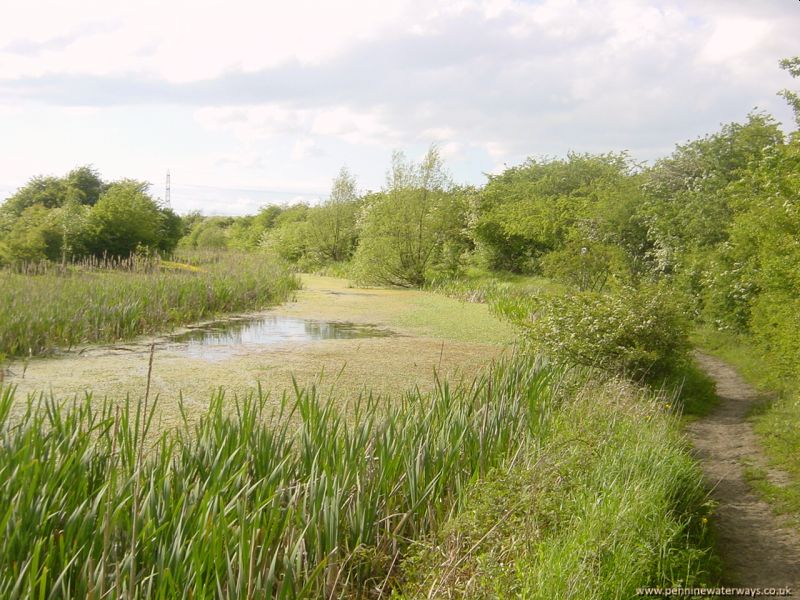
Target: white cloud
(306,148)
(733,37)
(292,91)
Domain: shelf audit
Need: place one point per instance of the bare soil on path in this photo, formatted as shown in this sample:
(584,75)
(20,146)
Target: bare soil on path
(758,548)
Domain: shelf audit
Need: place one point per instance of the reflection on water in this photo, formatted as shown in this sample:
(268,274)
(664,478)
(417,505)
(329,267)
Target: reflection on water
(269,330)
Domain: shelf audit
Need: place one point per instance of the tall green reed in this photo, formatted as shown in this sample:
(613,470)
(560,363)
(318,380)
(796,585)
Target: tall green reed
(97,301)
(258,498)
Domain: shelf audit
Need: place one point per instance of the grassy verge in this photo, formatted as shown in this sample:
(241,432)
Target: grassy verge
(252,503)
(89,303)
(608,501)
(777,422)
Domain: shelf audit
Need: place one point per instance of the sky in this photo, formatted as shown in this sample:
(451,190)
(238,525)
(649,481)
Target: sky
(252,102)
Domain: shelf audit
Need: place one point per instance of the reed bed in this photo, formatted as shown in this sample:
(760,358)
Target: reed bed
(254,499)
(44,307)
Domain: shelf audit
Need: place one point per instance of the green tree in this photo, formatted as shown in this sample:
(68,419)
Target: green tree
(207,232)
(87,183)
(288,238)
(404,226)
(332,233)
(47,192)
(538,207)
(171,230)
(124,219)
(74,219)
(792,65)
(687,208)
(36,235)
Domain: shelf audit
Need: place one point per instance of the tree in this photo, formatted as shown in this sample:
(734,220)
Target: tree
(86,181)
(687,206)
(792,65)
(332,226)
(538,207)
(124,219)
(404,226)
(36,235)
(171,231)
(47,192)
(74,218)
(288,238)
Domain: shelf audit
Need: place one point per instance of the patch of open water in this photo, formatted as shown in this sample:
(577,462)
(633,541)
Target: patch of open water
(221,338)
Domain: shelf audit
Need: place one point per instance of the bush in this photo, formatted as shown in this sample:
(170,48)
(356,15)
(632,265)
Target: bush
(776,326)
(587,267)
(640,332)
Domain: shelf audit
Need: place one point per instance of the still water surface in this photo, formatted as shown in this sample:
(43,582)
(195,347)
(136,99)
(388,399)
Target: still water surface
(268,330)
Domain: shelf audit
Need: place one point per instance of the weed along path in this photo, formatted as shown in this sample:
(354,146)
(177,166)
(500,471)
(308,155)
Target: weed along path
(343,339)
(757,548)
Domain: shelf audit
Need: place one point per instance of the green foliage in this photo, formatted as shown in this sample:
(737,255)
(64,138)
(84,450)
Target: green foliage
(170,232)
(332,227)
(82,186)
(752,283)
(61,219)
(36,235)
(687,205)
(124,219)
(94,302)
(210,233)
(537,207)
(413,226)
(641,332)
(287,240)
(248,499)
(792,65)
(587,268)
(87,183)
(607,501)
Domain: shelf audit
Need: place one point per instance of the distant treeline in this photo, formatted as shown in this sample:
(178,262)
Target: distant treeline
(78,215)
(719,218)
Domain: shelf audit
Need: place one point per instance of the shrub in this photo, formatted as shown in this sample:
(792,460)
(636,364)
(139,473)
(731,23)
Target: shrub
(640,332)
(776,326)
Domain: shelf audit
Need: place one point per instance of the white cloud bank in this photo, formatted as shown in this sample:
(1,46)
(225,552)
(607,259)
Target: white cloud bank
(289,92)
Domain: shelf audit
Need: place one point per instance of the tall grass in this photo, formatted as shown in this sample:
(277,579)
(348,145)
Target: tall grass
(294,501)
(609,501)
(47,306)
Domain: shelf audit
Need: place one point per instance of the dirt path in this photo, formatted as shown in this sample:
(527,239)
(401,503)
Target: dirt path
(757,548)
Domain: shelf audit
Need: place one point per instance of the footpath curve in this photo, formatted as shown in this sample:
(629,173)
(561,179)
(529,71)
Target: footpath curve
(757,547)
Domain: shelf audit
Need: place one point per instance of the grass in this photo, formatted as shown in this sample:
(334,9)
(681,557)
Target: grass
(740,350)
(696,391)
(777,422)
(608,501)
(301,502)
(91,302)
(784,499)
(243,503)
(480,286)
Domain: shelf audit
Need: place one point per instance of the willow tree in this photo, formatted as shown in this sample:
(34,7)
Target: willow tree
(406,225)
(332,226)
